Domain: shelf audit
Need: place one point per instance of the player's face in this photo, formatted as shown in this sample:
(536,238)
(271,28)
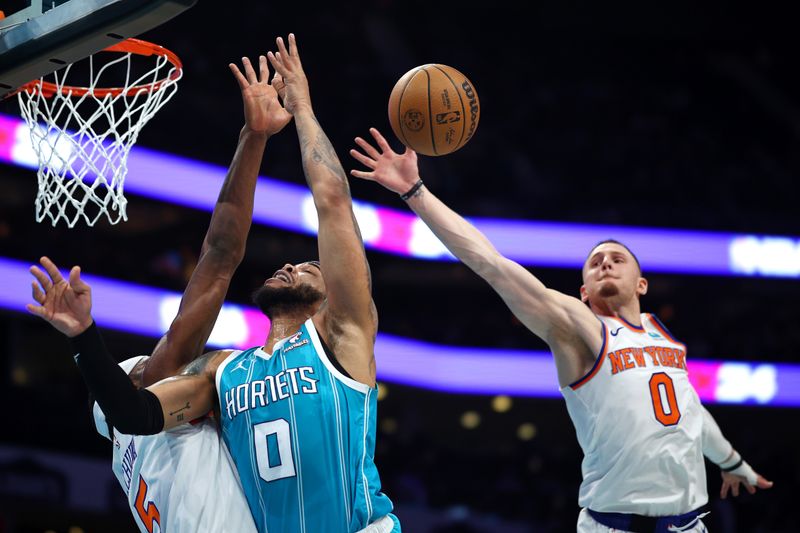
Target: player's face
(301,274)
(290,288)
(612,272)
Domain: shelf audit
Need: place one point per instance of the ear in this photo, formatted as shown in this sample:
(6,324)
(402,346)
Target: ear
(641,287)
(584,294)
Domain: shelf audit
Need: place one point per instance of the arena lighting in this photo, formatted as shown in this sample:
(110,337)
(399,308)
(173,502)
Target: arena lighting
(149,311)
(196,184)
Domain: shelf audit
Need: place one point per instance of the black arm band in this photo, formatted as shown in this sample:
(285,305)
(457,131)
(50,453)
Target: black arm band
(130,410)
(411,191)
(734,467)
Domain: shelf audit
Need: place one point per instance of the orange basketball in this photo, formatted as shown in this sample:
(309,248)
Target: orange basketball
(434,109)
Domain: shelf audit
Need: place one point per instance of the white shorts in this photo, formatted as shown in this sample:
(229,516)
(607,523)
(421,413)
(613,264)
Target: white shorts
(587,524)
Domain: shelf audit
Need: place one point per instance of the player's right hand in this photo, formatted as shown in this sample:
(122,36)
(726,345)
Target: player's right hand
(396,172)
(67,305)
(731,482)
(263,112)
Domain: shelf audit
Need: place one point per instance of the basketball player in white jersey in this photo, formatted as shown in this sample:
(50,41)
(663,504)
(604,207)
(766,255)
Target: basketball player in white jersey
(638,419)
(183,480)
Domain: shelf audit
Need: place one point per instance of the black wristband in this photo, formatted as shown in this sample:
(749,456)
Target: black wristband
(130,410)
(734,467)
(411,191)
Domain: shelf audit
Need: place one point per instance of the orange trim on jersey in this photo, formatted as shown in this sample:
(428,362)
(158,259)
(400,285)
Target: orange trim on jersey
(663,329)
(597,364)
(632,327)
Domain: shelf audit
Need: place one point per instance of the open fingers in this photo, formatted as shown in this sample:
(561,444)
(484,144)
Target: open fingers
(282,47)
(37,293)
(279,85)
(75,281)
(240,79)
(263,68)
(37,310)
(277,63)
(364,160)
(723,493)
(735,489)
(41,277)
(248,71)
(382,143)
(368,148)
(52,270)
(293,51)
(363,175)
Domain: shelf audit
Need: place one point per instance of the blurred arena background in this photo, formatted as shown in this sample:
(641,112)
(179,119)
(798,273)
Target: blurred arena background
(657,117)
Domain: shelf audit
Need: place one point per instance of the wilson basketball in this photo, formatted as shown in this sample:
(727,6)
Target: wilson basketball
(434,109)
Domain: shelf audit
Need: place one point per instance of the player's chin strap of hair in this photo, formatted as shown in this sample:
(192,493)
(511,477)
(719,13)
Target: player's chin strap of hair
(130,410)
(719,451)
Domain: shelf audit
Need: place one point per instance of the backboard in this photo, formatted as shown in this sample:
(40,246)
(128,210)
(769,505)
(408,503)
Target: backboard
(40,39)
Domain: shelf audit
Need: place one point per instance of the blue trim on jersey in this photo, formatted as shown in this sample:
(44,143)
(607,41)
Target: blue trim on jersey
(597,361)
(640,329)
(670,336)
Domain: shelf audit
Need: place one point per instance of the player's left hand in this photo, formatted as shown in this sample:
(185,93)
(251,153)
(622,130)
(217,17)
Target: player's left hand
(66,304)
(731,482)
(286,62)
(263,112)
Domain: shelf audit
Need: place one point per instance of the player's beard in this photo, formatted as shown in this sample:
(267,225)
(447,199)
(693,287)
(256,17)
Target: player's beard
(607,290)
(274,301)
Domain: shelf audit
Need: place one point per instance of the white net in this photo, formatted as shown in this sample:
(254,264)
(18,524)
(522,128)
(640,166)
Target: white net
(83,137)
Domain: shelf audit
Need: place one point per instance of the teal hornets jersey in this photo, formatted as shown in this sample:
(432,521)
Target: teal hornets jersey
(302,436)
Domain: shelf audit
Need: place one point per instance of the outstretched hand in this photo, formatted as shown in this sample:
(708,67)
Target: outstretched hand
(731,482)
(396,172)
(67,305)
(287,65)
(263,112)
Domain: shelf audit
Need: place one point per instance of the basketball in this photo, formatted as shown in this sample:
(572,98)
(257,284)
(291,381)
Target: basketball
(434,109)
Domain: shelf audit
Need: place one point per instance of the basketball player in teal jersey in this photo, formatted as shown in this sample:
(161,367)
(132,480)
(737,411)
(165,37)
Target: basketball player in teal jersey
(163,493)
(298,414)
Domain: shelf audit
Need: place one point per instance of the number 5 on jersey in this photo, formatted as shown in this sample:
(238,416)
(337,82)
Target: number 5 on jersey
(149,513)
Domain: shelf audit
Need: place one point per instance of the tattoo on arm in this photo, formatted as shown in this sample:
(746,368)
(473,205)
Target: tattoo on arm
(179,418)
(317,149)
(199,365)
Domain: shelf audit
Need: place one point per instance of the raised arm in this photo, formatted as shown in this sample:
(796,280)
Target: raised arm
(66,305)
(348,319)
(224,243)
(566,324)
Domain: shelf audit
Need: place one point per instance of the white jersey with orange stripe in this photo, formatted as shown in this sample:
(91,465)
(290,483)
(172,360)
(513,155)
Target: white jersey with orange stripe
(178,481)
(639,422)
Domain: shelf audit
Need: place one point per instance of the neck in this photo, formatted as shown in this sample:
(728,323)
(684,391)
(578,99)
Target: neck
(283,325)
(630,310)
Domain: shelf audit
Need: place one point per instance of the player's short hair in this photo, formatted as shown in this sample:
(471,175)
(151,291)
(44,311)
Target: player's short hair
(614,241)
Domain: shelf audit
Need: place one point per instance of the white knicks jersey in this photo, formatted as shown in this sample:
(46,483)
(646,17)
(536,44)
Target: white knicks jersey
(639,422)
(178,481)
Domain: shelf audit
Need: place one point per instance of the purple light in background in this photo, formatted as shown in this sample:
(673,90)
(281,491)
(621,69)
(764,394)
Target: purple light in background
(196,184)
(139,309)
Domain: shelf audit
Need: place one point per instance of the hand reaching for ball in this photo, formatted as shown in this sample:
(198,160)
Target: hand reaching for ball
(396,172)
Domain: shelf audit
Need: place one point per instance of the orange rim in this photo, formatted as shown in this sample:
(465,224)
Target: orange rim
(132,46)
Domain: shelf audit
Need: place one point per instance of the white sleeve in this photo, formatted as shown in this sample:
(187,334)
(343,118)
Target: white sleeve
(715,446)
(100,422)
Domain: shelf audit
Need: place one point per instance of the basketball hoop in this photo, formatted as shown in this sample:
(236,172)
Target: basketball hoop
(82,135)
